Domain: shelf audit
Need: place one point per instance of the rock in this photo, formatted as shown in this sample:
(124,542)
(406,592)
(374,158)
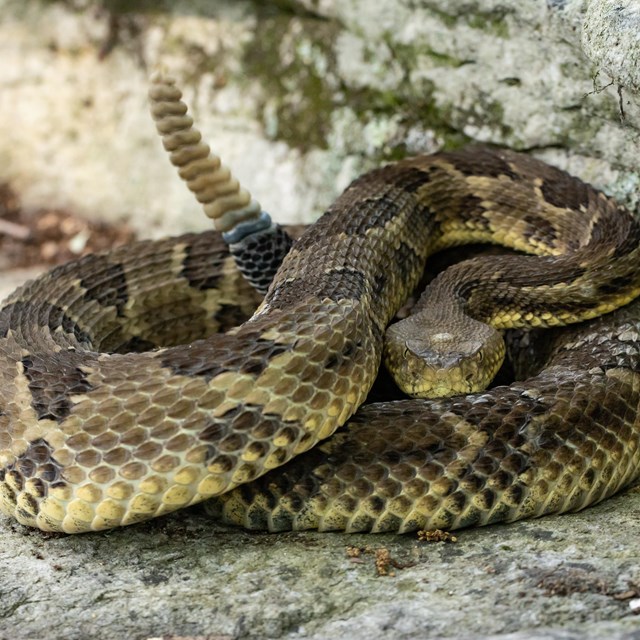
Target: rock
(566,577)
(300,100)
(611,40)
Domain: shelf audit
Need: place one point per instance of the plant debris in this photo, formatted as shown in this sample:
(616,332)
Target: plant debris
(50,236)
(384,562)
(436,535)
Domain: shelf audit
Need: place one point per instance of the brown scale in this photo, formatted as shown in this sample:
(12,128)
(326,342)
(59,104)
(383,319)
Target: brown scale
(535,466)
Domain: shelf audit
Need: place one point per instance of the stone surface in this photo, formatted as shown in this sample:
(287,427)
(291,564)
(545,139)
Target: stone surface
(299,96)
(611,39)
(183,576)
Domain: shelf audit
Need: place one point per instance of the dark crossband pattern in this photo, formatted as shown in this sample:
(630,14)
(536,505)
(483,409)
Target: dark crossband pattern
(120,400)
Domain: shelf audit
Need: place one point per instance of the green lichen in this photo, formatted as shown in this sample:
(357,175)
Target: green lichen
(411,111)
(493,114)
(446,18)
(484,113)
(300,86)
(493,23)
(407,55)
(203,8)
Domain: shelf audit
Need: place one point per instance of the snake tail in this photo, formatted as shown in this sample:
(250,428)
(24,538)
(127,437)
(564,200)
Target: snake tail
(223,198)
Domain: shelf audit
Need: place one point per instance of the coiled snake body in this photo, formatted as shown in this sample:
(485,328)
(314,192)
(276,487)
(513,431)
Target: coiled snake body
(98,428)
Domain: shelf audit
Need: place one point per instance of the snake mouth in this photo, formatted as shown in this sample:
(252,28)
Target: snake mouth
(421,379)
(442,365)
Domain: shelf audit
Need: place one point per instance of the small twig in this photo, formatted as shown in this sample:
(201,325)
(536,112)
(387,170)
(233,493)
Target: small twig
(17,231)
(621,104)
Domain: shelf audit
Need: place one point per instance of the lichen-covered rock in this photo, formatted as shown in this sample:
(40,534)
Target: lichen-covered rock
(301,95)
(611,39)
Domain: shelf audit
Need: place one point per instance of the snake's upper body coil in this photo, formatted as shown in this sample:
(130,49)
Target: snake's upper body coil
(120,402)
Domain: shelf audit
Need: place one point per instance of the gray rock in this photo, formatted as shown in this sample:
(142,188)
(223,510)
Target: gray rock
(301,99)
(569,576)
(611,39)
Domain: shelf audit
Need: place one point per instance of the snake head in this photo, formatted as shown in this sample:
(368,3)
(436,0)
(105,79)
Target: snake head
(438,360)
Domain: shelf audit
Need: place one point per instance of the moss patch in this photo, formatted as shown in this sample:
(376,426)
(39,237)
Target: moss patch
(299,81)
(294,60)
(493,22)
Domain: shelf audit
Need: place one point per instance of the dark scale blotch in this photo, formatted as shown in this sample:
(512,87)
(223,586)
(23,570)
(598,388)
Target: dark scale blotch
(349,348)
(336,285)
(456,501)
(470,208)
(208,360)
(335,360)
(214,432)
(182,362)
(9,317)
(408,262)
(38,487)
(248,494)
(53,379)
(26,467)
(501,480)
(539,229)
(473,482)
(296,480)
(230,316)
(200,267)
(367,213)
(615,285)
(488,498)
(589,478)
(55,318)
(31,506)
(379,284)
(376,504)
(103,282)
(574,307)
(401,177)
(565,192)
(17,314)
(296,503)
(390,457)
(136,345)
(37,464)
(380,211)
(373,201)
(411,179)
(629,238)
(373,213)
(515,494)
(480,161)
(261,357)
(332,361)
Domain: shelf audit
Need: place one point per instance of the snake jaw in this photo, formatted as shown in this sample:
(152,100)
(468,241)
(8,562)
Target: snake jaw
(436,362)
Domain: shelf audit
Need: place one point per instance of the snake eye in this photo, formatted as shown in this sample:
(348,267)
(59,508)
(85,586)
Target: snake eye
(480,356)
